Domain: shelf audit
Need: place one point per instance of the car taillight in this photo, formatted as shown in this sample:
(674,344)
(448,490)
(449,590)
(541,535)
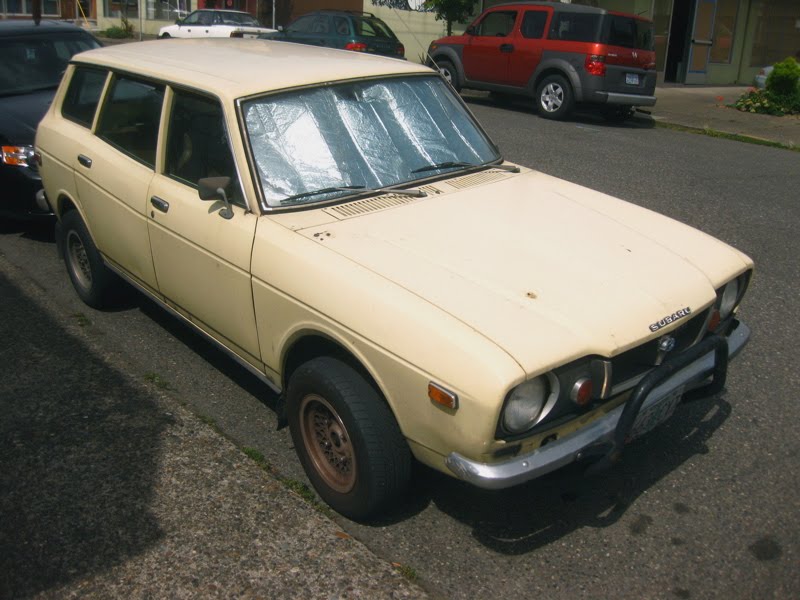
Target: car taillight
(356,46)
(595,64)
(401,50)
(237,34)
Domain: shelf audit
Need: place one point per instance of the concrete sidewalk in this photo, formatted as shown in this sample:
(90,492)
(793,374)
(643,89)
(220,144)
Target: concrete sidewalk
(704,107)
(109,488)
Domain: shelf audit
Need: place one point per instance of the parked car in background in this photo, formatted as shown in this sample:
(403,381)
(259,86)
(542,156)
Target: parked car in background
(32,60)
(215,23)
(357,31)
(560,55)
(342,226)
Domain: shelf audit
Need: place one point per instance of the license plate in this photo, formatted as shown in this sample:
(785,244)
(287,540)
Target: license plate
(631,79)
(656,414)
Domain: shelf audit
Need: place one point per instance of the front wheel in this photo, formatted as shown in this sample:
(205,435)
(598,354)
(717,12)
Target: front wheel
(448,71)
(347,438)
(92,280)
(554,98)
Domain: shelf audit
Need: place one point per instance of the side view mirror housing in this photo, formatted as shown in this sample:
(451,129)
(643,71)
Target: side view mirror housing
(178,21)
(280,28)
(470,30)
(213,188)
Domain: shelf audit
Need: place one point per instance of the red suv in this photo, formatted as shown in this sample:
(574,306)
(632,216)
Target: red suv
(559,54)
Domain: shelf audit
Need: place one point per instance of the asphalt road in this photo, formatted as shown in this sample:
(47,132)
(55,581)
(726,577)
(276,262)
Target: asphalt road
(706,506)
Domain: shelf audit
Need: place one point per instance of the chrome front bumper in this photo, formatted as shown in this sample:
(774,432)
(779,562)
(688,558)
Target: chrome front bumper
(605,437)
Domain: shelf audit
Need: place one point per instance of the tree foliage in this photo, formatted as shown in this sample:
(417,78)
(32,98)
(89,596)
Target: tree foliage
(451,11)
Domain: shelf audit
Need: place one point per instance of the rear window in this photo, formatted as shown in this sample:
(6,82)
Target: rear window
(372,28)
(628,32)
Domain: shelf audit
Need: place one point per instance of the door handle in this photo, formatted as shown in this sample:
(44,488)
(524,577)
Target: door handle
(506,47)
(160,204)
(703,42)
(85,161)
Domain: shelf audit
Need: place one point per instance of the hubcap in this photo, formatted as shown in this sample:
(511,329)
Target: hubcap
(447,75)
(79,260)
(328,443)
(552,97)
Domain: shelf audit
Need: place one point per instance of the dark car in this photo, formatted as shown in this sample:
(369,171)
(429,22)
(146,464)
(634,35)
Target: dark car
(32,60)
(558,54)
(357,31)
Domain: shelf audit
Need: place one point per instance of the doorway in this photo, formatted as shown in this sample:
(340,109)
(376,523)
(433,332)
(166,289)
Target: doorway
(678,47)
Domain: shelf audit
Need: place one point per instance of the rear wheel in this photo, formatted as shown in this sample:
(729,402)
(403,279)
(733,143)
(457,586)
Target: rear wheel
(448,71)
(554,98)
(347,438)
(91,279)
(165,36)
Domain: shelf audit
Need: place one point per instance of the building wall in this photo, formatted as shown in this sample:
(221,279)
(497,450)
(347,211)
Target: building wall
(415,29)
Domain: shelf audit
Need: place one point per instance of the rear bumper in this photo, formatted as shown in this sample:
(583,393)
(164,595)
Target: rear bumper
(605,437)
(628,99)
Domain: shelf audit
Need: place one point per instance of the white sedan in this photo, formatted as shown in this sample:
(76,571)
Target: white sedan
(215,23)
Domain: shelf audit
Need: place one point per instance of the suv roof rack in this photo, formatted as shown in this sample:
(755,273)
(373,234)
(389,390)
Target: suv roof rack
(349,12)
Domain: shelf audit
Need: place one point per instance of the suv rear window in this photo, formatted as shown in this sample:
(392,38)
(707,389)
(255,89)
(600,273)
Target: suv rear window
(628,32)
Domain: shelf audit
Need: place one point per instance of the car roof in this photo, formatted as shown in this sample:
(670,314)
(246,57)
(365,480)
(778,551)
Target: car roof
(233,68)
(577,8)
(28,27)
(221,10)
(345,13)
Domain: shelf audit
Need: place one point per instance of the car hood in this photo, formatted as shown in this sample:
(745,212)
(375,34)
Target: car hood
(19,116)
(547,270)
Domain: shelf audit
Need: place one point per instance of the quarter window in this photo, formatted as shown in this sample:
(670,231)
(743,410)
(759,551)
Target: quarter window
(83,95)
(533,24)
(575,27)
(197,143)
(130,117)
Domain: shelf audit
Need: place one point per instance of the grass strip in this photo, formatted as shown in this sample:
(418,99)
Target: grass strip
(728,136)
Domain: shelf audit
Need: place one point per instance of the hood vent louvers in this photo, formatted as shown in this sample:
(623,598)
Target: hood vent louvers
(478,178)
(369,205)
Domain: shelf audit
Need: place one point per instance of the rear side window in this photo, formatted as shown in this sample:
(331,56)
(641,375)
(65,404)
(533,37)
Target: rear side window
(498,23)
(83,95)
(533,24)
(372,28)
(575,27)
(130,117)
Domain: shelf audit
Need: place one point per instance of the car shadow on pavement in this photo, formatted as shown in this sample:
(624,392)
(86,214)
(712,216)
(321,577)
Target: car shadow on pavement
(579,116)
(527,517)
(79,450)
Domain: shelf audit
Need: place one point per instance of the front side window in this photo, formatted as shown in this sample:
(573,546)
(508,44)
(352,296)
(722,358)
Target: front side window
(197,143)
(498,24)
(29,64)
(83,95)
(130,117)
(192,19)
(359,136)
(302,25)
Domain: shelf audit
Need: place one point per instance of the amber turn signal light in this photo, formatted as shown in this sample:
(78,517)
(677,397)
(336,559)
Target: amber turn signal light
(439,395)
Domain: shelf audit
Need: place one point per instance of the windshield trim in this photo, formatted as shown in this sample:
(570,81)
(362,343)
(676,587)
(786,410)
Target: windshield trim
(357,194)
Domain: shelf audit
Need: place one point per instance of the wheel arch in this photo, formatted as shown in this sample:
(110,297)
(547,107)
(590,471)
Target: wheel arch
(557,67)
(449,54)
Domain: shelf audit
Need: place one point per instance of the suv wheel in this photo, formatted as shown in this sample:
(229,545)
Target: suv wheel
(347,438)
(554,97)
(448,71)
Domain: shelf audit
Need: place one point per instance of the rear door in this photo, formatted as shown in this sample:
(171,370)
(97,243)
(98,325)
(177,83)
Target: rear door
(527,51)
(486,56)
(630,55)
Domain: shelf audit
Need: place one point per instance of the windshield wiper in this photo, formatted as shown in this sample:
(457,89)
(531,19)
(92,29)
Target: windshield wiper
(449,164)
(327,190)
(361,189)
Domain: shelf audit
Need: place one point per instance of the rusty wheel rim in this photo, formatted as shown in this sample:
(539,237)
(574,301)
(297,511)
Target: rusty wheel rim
(328,443)
(79,260)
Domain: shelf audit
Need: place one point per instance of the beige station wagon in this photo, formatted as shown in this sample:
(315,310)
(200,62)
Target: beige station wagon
(342,226)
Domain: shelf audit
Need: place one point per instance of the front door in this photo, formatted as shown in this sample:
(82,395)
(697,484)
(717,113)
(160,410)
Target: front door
(202,260)
(701,41)
(487,55)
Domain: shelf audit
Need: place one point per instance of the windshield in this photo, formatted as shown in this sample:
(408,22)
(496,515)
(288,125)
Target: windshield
(37,62)
(366,134)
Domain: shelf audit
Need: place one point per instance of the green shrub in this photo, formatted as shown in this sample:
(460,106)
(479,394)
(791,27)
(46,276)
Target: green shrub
(121,31)
(783,81)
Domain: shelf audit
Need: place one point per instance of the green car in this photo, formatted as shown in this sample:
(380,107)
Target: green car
(346,30)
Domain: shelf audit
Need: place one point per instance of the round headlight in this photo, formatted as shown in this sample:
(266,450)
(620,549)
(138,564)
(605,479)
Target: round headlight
(730,294)
(525,405)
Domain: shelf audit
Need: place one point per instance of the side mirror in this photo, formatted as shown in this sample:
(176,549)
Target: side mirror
(470,30)
(280,28)
(178,21)
(213,188)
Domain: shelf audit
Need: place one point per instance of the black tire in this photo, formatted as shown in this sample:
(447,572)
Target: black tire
(347,438)
(554,98)
(92,280)
(165,36)
(448,71)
